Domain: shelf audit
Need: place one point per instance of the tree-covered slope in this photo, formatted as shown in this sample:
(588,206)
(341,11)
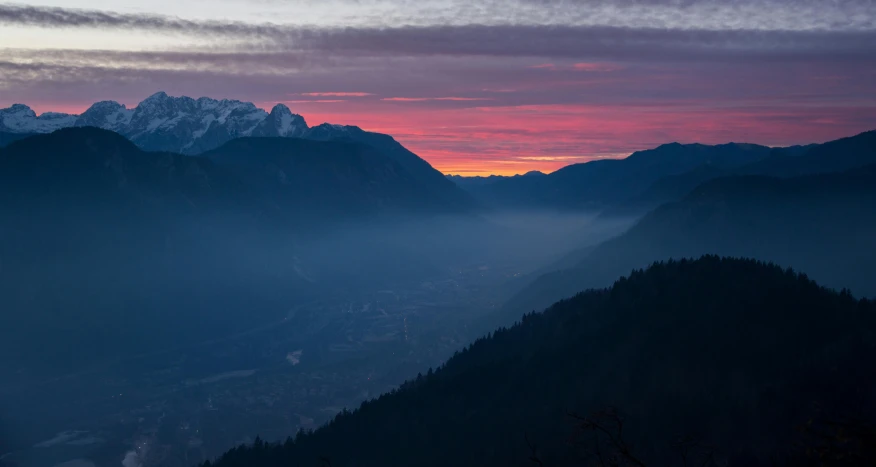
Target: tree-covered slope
(733,353)
(7,138)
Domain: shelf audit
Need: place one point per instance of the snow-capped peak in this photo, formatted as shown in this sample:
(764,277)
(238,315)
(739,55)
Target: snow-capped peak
(179,124)
(187,125)
(158,96)
(20,118)
(281,122)
(18,110)
(106,114)
(288,123)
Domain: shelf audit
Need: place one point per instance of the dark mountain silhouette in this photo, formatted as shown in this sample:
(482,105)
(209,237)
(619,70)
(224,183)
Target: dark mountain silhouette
(647,179)
(325,180)
(108,250)
(822,224)
(604,182)
(665,190)
(675,187)
(833,156)
(267,176)
(186,246)
(479,181)
(729,353)
(428,178)
(7,138)
(98,168)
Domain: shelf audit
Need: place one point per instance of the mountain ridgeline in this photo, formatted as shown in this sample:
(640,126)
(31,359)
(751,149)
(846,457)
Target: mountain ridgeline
(267,177)
(322,180)
(730,355)
(595,184)
(647,179)
(193,126)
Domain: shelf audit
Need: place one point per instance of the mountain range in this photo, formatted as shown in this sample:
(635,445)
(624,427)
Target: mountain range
(832,156)
(91,168)
(477,181)
(596,184)
(165,123)
(646,179)
(193,126)
(190,126)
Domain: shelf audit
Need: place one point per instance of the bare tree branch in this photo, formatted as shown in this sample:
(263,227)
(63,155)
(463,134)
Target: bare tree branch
(609,422)
(533,455)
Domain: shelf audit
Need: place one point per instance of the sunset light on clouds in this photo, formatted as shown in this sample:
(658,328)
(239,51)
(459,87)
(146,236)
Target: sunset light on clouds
(474,88)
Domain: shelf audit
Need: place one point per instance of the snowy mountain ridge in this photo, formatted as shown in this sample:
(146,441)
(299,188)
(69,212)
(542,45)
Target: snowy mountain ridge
(22,119)
(177,124)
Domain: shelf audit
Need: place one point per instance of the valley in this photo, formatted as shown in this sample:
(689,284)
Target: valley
(262,297)
(185,405)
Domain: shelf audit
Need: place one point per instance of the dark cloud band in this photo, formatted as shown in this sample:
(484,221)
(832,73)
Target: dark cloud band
(573,42)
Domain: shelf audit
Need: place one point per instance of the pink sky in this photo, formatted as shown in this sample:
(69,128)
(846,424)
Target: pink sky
(481,140)
(478,116)
(497,87)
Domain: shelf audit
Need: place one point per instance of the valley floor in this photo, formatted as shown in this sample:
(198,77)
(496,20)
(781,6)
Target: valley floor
(180,406)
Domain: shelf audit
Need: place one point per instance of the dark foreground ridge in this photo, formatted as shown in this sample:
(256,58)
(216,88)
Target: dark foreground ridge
(714,360)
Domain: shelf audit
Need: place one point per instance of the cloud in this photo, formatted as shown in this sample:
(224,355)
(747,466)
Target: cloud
(657,42)
(336,94)
(599,42)
(227,61)
(317,101)
(426,99)
(599,67)
(679,14)
(549,158)
(47,17)
(585,67)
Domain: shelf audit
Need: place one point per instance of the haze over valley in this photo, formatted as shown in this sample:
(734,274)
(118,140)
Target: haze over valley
(342,233)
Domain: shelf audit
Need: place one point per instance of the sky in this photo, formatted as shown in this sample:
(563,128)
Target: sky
(474,87)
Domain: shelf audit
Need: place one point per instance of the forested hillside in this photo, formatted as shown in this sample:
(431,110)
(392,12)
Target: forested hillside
(686,363)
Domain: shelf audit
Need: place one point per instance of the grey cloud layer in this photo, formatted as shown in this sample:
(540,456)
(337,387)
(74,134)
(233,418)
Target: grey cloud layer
(71,74)
(785,15)
(594,42)
(578,42)
(74,18)
(700,14)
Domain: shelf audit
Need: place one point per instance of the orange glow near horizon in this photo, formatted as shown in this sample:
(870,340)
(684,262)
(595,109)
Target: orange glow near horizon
(478,139)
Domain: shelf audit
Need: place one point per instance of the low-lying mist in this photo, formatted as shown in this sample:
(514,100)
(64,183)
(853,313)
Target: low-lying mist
(139,293)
